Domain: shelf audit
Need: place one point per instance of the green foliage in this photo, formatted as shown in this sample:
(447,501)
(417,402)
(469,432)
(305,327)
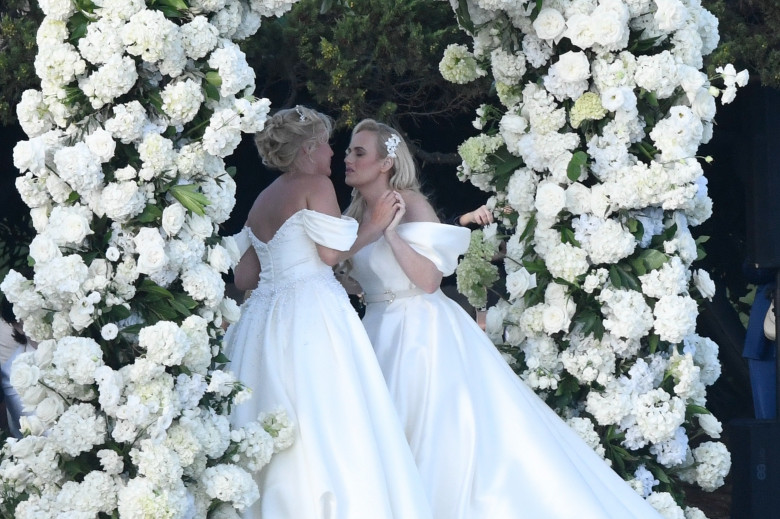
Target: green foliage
(374,58)
(749,38)
(19,20)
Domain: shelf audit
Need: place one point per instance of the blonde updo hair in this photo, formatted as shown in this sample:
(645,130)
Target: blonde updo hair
(403,174)
(289,131)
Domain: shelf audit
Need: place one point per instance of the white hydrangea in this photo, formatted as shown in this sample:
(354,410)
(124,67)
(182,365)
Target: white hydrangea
(675,317)
(659,414)
(199,37)
(128,121)
(230,61)
(182,100)
(459,66)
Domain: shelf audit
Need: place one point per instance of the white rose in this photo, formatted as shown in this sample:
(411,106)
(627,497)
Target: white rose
(573,66)
(151,251)
(126,173)
(112,254)
(670,15)
(173,218)
(549,24)
(578,198)
(40,218)
(231,246)
(710,424)
(109,331)
(101,143)
(519,282)
(33,395)
(49,409)
(219,259)
(43,249)
(554,319)
(23,375)
(31,425)
(550,199)
(230,310)
(704,284)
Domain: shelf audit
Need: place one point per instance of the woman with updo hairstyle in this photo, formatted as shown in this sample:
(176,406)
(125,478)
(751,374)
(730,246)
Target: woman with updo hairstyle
(299,344)
(485,444)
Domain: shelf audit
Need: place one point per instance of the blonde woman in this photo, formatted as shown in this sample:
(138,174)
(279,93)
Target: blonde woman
(300,345)
(487,447)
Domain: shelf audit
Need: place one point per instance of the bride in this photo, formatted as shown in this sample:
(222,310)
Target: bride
(485,444)
(300,345)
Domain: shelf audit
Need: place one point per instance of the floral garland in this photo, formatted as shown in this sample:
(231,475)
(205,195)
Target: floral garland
(591,161)
(123,172)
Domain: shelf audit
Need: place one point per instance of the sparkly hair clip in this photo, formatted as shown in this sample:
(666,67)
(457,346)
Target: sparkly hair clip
(300,113)
(392,144)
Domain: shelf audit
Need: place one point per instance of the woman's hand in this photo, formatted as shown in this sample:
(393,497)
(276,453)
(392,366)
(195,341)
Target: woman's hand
(382,214)
(400,211)
(480,216)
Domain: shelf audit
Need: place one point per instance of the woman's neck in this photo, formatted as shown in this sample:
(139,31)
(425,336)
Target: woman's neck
(373,192)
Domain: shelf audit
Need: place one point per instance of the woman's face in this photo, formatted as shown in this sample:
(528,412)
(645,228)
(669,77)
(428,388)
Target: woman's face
(364,166)
(321,155)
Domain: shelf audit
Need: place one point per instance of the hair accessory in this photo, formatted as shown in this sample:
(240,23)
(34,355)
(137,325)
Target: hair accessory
(300,113)
(391,144)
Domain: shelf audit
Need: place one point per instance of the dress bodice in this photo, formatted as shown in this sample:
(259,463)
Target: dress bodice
(291,254)
(377,270)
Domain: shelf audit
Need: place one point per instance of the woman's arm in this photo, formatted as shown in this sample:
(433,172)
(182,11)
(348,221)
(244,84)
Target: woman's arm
(246,275)
(419,269)
(322,199)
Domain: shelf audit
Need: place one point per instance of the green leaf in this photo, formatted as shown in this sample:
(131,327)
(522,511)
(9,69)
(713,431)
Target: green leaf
(150,214)
(179,5)
(212,92)
(567,236)
(221,358)
(653,258)
(693,409)
(156,99)
(189,197)
(652,342)
(614,276)
(463,16)
(150,287)
(213,78)
(577,162)
(231,170)
(77,27)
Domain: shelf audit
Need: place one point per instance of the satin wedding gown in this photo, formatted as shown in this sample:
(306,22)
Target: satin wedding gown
(300,345)
(486,445)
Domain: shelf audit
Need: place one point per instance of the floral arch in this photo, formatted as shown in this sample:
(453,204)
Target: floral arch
(590,158)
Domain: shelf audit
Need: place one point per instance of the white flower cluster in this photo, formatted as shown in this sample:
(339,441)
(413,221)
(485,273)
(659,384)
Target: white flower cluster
(598,202)
(126,296)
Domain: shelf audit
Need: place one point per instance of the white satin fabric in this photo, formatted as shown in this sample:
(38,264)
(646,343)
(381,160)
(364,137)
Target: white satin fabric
(486,445)
(299,344)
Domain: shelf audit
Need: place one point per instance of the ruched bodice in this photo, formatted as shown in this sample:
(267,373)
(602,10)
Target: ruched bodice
(291,255)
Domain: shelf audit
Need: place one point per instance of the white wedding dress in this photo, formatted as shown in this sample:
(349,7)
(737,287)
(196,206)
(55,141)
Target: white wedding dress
(486,445)
(300,345)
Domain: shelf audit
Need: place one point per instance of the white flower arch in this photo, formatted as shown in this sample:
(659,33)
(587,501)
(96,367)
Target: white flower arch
(591,161)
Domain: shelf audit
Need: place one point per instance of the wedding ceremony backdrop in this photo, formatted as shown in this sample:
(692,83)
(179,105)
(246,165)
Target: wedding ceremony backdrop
(591,139)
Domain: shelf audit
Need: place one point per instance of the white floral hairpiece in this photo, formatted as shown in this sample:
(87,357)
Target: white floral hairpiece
(300,113)
(391,144)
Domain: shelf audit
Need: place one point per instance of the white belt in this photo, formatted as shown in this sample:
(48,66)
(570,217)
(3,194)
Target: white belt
(390,296)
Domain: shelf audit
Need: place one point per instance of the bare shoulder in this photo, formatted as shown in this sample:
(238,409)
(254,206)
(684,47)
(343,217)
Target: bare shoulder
(320,194)
(418,208)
